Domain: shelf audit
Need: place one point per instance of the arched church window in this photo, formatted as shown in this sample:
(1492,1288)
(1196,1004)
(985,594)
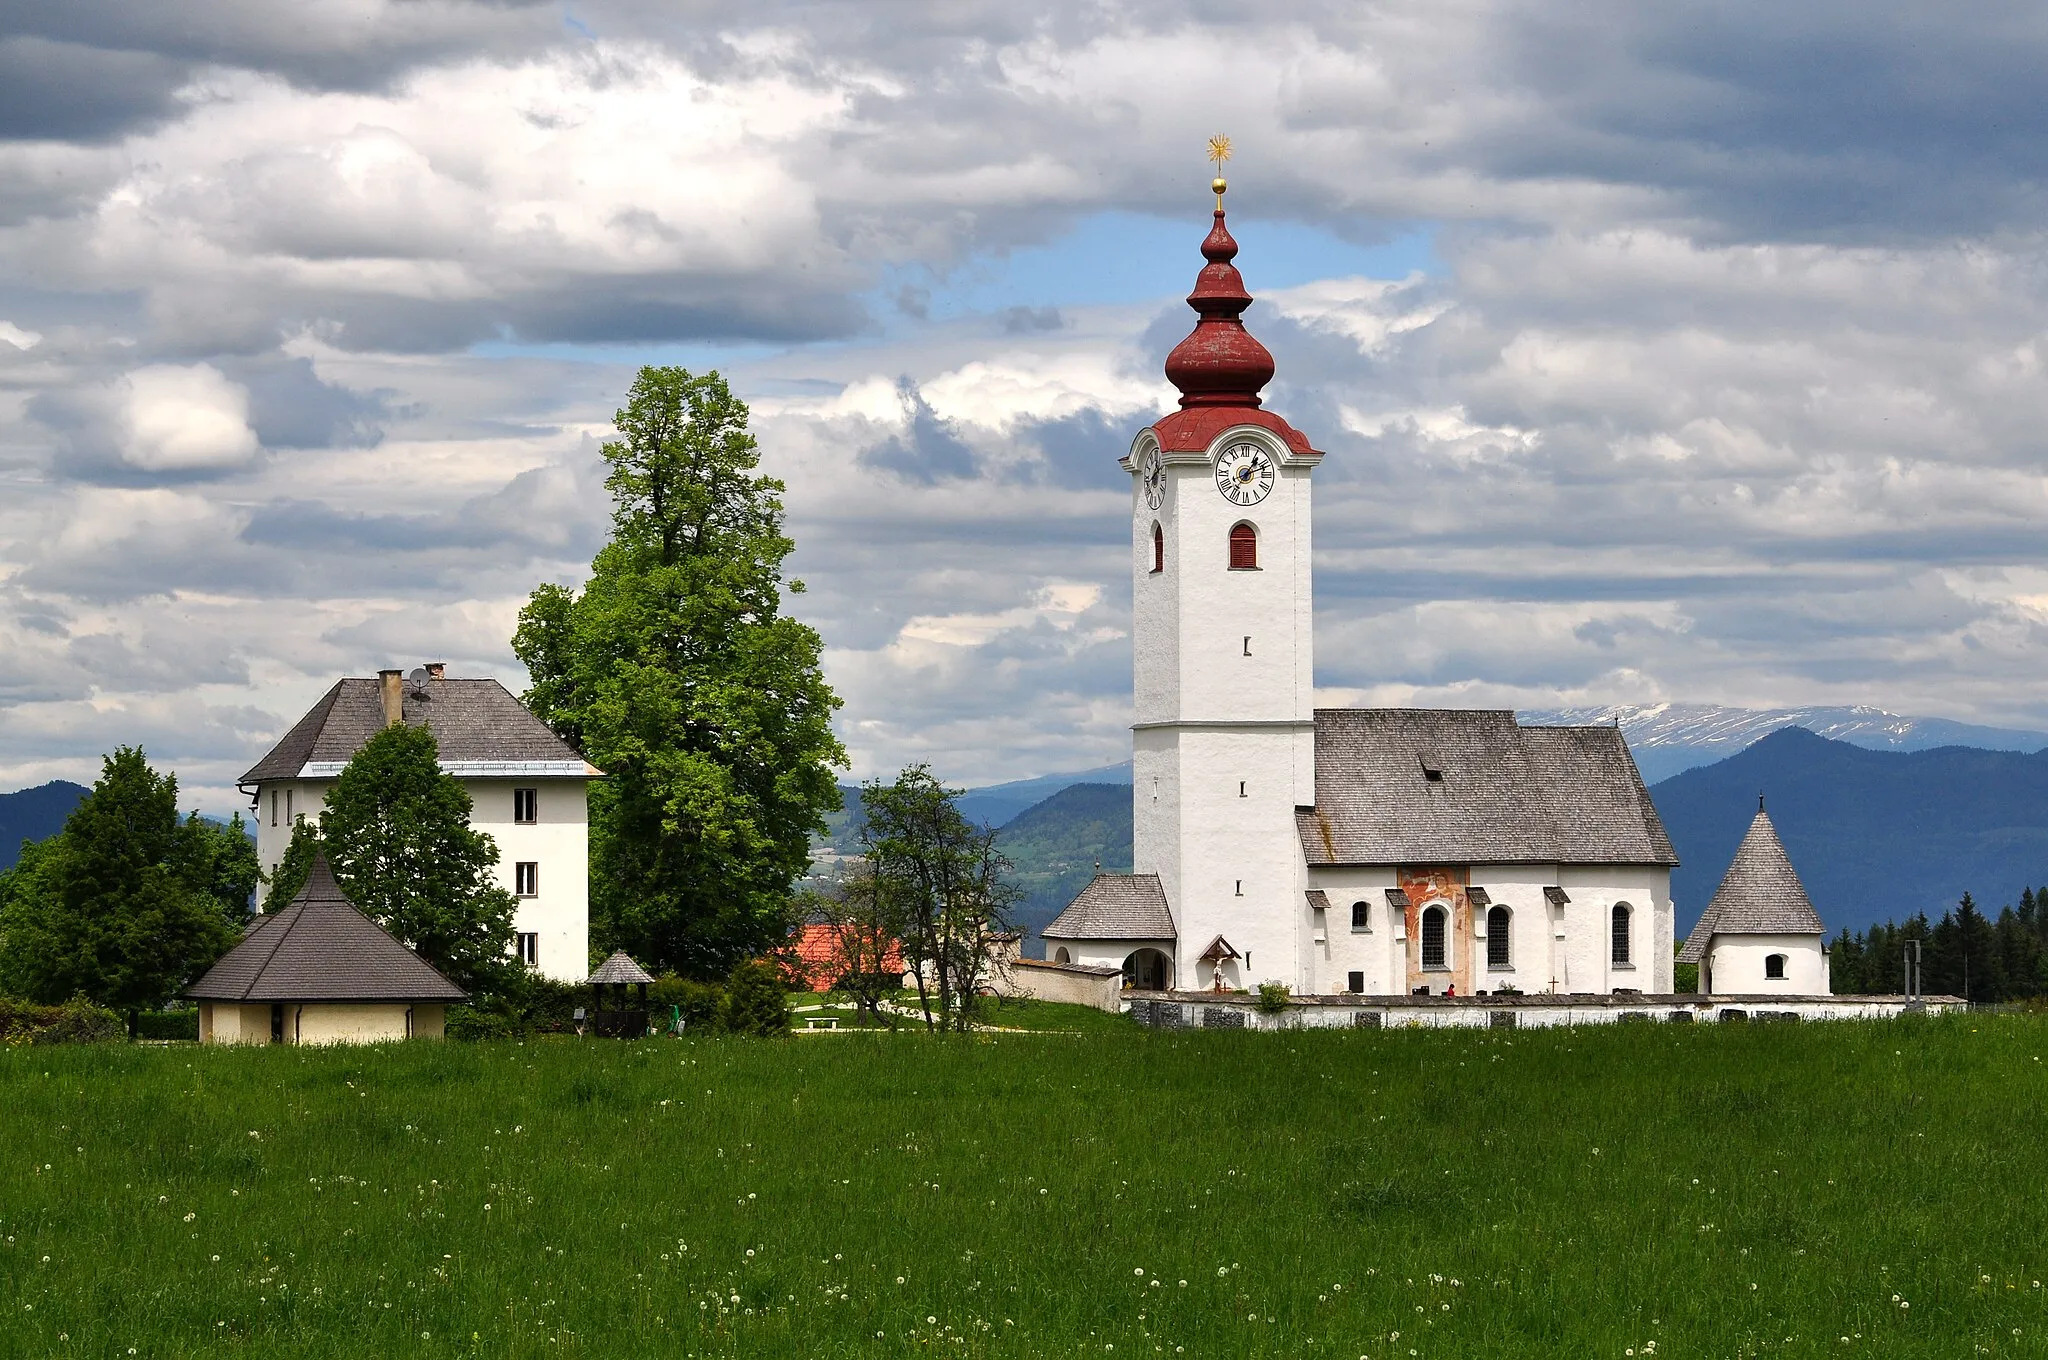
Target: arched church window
(1622,913)
(1361,916)
(1062,956)
(1497,955)
(1774,966)
(1158,547)
(1434,919)
(1244,548)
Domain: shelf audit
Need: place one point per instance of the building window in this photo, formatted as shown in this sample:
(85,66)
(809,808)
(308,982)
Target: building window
(526,806)
(273,807)
(1433,954)
(526,878)
(1622,912)
(1774,966)
(289,797)
(1361,916)
(1244,548)
(1061,955)
(529,948)
(1497,954)
(1158,547)
(1354,982)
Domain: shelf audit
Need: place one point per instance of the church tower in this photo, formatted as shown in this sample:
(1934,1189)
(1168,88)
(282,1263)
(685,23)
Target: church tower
(1223,650)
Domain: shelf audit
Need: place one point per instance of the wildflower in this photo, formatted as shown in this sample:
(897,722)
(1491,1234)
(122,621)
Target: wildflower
(1140,1270)
(190,1217)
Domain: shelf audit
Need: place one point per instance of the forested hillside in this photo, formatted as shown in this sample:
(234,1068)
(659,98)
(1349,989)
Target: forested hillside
(1056,845)
(32,814)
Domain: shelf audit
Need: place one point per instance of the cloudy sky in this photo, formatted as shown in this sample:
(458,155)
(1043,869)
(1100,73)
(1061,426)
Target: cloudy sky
(1675,352)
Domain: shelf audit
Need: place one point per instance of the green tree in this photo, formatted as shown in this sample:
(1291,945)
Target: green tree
(755,1002)
(295,865)
(946,886)
(675,671)
(222,864)
(124,906)
(396,831)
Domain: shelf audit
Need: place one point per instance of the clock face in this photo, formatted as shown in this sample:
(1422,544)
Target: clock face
(1153,475)
(1244,474)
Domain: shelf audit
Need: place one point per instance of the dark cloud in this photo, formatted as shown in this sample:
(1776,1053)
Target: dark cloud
(928,451)
(61,91)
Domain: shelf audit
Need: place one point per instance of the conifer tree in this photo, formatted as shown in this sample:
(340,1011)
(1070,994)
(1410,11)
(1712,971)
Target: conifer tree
(396,831)
(675,671)
(125,905)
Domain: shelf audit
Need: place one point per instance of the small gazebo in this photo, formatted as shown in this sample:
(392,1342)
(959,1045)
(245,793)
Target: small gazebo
(618,973)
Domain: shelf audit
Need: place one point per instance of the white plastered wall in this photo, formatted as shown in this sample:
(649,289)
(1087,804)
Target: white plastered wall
(1735,966)
(1373,951)
(1532,927)
(558,841)
(1585,955)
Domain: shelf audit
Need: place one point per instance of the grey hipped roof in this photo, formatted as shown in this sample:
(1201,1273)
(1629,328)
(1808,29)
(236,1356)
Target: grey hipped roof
(1506,794)
(1116,907)
(1759,895)
(320,948)
(476,722)
(620,968)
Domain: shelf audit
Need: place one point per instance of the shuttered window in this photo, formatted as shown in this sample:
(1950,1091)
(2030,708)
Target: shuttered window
(1244,548)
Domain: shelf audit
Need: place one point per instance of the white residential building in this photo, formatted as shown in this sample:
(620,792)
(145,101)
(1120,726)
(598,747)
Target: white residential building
(528,788)
(1376,851)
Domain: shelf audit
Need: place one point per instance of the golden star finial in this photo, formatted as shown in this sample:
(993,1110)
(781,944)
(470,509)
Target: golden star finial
(1219,152)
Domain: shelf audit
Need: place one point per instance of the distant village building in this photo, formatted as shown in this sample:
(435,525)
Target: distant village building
(1760,935)
(318,971)
(1373,851)
(528,787)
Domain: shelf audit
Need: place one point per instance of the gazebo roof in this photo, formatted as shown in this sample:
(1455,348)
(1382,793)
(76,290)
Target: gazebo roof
(619,968)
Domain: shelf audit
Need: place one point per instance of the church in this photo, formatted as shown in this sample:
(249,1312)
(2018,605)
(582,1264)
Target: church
(1379,852)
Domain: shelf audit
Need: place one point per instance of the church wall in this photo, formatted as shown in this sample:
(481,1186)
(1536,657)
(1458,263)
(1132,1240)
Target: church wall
(1735,965)
(1585,957)
(1532,927)
(1344,950)
(1156,600)
(1242,875)
(1156,811)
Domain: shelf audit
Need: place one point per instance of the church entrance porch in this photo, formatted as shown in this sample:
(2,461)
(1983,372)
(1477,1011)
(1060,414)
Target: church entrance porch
(1148,970)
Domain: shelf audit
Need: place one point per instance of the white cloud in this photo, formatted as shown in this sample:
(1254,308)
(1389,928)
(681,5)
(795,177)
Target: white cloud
(179,418)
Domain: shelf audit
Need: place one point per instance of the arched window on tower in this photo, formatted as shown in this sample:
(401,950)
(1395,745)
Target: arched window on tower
(1497,920)
(1158,547)
(1622,952)
(1434,920)
(1244,548)
(1774,966)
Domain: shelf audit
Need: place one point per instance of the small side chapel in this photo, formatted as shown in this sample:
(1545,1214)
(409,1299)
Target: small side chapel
(1371,851)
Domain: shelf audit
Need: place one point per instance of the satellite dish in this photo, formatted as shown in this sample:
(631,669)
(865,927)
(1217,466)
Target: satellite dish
(418,680)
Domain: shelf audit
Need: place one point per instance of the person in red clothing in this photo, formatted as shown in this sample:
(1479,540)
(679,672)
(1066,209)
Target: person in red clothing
(1451,990)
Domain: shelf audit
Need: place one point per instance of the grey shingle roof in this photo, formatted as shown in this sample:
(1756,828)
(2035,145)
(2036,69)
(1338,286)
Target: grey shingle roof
(1507,794)
(620,968)
(1759,895)
(475,722)
(1318,900)
(320,948)
(1115,907)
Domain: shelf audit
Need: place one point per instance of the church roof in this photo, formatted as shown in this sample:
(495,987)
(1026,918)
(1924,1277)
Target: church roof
(1116,907)
(1459,786)
(1759,895)
(320,948)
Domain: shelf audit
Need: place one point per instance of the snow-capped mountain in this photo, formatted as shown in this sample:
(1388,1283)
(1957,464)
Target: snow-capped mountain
(1669,738)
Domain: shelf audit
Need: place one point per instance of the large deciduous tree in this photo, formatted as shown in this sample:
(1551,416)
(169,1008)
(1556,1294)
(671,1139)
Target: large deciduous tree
(128,903)
(945,882)
(676,672)
(397,834)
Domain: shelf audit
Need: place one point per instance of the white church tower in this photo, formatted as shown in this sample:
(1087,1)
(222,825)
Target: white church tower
(1223,647)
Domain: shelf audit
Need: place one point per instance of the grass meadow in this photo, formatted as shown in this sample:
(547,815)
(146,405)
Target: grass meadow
(1856,1189)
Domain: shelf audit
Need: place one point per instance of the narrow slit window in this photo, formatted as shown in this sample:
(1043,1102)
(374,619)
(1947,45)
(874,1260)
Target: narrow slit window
(1244,548)
(1158,547)
(273,807)
(1433,952)
(1622,913)
(1497,937)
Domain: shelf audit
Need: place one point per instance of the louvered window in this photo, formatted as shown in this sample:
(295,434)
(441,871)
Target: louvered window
(1244,548)
(1622,913)
(1434,955)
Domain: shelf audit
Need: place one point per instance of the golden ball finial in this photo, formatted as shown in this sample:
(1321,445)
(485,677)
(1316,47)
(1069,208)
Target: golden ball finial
(1218,185)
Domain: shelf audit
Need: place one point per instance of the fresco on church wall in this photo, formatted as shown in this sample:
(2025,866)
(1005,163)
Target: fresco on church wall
(1444,886)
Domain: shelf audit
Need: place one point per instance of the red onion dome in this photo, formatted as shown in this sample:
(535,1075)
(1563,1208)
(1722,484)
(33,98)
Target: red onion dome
(1219,364)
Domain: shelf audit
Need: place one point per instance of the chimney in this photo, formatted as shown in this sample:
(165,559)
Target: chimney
(437,670)
(392,686)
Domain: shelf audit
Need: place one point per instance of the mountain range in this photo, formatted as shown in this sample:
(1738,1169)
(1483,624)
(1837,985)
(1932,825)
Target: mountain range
(32,814)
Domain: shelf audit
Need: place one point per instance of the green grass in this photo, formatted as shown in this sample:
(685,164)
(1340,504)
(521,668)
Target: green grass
(1719,1191)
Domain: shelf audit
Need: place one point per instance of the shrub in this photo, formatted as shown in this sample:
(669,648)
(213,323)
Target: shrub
(699,1005)
(755,1002)
(77,1021)
(182,1024)
(1274,998)
(485,1021)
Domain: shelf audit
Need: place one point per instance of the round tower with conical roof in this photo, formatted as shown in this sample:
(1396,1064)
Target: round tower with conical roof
(1223,648)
